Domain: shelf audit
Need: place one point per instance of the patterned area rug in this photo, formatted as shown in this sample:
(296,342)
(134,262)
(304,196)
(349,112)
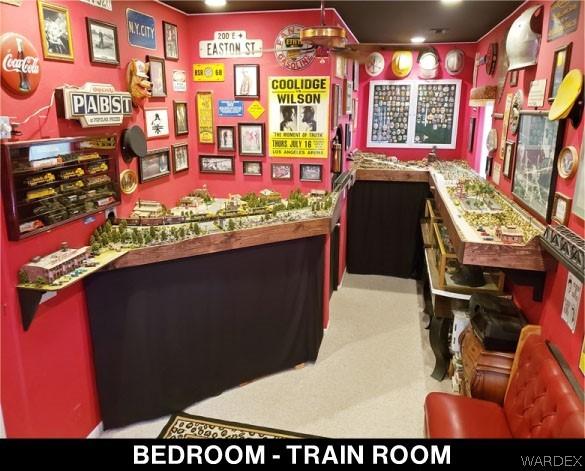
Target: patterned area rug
(193,426)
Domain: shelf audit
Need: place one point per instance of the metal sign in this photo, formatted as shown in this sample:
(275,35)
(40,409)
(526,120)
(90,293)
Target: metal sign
(94,104)
(21,68)
(105,4)
(208,72)
(141,29)
(230,44)
(230,108)
(290,52)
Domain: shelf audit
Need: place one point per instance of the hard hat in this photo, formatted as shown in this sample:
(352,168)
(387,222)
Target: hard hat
(522,42)
(454,61)
(428,62)
(569,90)
(401,63)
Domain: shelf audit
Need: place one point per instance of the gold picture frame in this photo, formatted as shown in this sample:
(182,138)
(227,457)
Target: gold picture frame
(56,37)
(567,162)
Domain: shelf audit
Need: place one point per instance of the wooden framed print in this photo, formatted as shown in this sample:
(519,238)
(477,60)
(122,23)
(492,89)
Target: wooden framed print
(561,62)
(56,36)
(216,164)
(171,38)
(180,157)
(340,67)
(311,173)
(509,158)
(251,139)
(514,78)
(246,81)
(156,121)
(181,119)
(282,171)
(102,38)
(471,135)
(567,162)
(226,138)
(205,117)
(155,164)
(561,209)
(252,168)
(347,96)
(157,75)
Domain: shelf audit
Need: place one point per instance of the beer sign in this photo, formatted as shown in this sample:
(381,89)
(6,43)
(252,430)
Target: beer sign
(94,104)
(21,65)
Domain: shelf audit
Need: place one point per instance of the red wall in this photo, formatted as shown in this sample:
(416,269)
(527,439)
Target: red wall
(547,313)
(466,77)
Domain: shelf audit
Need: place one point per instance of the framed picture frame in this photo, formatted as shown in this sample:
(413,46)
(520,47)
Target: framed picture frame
(171,39)
(471,135)
(204,101)
(535,170)
(252,168)
(226,138)
(55,26)
(311,172)
(561,62)
(578,208)
(561,209)
(180,157)
(181,118)
(514,78)
(102,39)
(157,75)
(155,164)
(347,96)
(567,162)
(282,171)
(340,67)
(251,139)
(347,136)
(246,81)
(156,122)
(335,106)
(509,158)
(356,76)
(216,164)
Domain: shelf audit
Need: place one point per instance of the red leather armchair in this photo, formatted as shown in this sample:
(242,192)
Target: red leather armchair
(540,403)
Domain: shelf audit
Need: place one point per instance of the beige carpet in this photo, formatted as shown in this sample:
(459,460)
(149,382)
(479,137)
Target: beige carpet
(370,380)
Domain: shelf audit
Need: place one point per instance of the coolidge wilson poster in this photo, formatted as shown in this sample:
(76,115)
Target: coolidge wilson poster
(299,116)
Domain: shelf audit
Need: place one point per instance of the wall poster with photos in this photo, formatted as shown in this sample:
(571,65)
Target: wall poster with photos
(413,113)
(533,183)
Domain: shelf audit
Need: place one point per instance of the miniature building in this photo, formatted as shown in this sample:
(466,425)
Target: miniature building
(318,193)
(271,195)
(147,209)
(56,264)
(510,235)
(191,201)
(202,193)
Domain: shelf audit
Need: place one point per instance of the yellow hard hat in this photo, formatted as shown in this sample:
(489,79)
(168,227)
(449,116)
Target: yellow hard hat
(402,63)
(568,92)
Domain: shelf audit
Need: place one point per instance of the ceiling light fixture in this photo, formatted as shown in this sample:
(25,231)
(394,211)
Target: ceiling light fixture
(417,39)
(450,2)
(215,3)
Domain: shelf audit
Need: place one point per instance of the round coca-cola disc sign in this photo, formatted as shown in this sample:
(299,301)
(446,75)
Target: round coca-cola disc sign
(21,64)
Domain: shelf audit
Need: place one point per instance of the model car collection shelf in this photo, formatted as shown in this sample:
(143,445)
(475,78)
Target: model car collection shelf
(50,182)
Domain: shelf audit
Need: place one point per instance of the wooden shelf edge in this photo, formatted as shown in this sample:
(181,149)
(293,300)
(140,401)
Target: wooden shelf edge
(389,175)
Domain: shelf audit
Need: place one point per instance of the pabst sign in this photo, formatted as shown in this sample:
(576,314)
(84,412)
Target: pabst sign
(290,53)
(21,67)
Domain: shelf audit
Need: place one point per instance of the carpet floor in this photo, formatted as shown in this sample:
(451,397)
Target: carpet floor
(370,379)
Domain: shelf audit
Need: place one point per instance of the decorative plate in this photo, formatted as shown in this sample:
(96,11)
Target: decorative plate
(567,162)
(128,181)
(492,140)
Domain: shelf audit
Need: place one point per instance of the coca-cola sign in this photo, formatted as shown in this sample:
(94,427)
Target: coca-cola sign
(21,64)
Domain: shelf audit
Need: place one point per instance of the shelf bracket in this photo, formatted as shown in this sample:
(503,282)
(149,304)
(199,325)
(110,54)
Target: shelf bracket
(29,303)
(535,279)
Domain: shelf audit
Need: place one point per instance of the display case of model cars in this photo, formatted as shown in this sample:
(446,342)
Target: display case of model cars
(49,182)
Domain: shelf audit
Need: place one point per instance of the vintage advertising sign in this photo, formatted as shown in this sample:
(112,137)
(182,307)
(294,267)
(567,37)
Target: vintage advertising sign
(141,29)
(299,56)
(205,117)
(208,72)
(536,94)
(94,104)
(105,4)
(21,68)
(230,44)
(564,18)
(179,81)
(256,109)
(298,117)
(230,108)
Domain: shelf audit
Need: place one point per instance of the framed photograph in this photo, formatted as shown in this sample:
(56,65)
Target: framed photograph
(180,157)
(226,139)
(155,164)
(56,36)
(156,74)
(335,106)
(251,138)
(509,158)
(579,194)
(354,113)
(156,121)
(311,173)
(103,42)
(567,162)
(471,135)
(246,81)
(216,164)
(252,168)
(561,62)
(282,171)
(347,96)
(535,169)
(514,78)
(572,301)
(347,136)
(171,36)
(340,67)
(181,119)
(561,209)
(356,76)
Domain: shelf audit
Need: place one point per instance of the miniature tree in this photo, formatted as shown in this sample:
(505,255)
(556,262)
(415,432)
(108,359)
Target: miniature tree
(152,231)
(22,277)
(231,225)
(95,249)
(92,240)
(181,233)
(140,238)
(163,235)
(108,227)
(123,225)
(196,229)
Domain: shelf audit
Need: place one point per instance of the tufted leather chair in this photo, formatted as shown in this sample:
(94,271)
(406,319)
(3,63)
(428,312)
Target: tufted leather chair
(540,403)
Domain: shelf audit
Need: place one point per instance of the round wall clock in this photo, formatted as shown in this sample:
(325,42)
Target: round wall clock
(567,162)
(128,181)
(374,64)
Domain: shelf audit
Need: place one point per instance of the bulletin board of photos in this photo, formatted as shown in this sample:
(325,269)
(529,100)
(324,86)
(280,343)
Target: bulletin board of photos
(413,113)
